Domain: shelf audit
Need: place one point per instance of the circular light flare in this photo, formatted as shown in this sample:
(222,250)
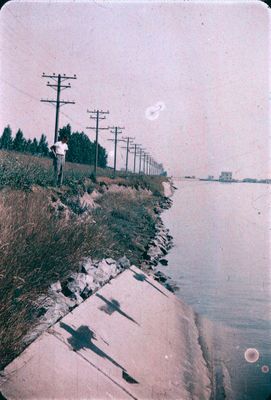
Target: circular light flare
(251,355)
(265,369)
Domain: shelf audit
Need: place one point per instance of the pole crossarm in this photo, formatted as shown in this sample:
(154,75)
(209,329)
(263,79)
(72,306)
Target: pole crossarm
(58,78)
(94,127)
(55,101)
(62,86)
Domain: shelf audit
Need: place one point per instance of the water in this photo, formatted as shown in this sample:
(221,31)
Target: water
(221,262)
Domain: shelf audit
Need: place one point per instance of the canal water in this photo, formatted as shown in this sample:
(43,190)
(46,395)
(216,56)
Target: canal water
(221,263)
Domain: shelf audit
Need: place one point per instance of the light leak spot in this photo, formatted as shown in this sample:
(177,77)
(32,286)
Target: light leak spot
(153,112)
(265,369)
(251,355)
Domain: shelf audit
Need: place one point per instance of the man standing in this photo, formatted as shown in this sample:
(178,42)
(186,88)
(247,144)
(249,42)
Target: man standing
(59,151)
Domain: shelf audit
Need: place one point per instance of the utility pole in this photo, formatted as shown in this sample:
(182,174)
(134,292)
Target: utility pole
(58,86)
(136,154)
(129,141)
(144,159)
(140,159)
(97,115)
(147,164)
(117,131)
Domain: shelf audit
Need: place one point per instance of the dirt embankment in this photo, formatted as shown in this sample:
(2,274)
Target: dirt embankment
(47,232)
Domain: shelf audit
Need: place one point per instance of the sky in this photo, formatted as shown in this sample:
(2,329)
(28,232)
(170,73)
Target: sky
(206,62)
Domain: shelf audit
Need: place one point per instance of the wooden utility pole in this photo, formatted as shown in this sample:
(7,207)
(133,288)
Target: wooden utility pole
(147,164)
(129,140)
(135,152)
(140,159)
(58,87)
(117,131)
(97,115)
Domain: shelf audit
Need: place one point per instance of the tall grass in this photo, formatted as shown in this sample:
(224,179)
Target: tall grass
(37,248)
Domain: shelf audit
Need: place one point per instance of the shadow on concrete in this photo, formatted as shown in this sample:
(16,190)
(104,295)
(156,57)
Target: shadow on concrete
(143,278)
(128,377)
(82,338)
(113,306)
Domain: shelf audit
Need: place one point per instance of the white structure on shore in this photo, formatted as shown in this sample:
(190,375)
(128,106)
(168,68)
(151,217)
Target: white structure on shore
(225,176)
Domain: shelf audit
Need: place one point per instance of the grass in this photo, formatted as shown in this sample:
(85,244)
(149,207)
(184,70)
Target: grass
(37,247)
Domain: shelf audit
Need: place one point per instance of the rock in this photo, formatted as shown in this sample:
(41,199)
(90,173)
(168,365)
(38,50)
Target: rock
(76,283)
(87,266)
(163,250)
(172,287)
(78,299)
(123,262)
(49,310)
(163,261)
(159,276)
(153,262)
(105,271)
(55,287)
(153,252)
(90,289)
(110,261)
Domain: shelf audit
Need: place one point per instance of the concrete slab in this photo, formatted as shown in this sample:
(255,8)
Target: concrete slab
(133,339)
(49,370)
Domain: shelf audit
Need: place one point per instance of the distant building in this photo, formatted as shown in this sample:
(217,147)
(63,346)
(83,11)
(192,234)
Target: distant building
(225,176)
(210,177)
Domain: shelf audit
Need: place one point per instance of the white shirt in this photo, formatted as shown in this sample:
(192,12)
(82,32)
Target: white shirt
(61,148)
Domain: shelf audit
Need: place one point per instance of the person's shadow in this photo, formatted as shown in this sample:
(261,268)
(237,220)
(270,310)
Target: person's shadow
(83,338)
(113,306)
(143,278)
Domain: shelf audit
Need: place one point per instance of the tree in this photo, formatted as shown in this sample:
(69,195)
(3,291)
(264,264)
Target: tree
(81,149)
(6,139)
(102,157)
(65,131)
(19,141)
(28,145)
(34,146)
(43,146)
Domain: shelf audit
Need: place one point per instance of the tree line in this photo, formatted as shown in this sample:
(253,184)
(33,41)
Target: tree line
(81,148)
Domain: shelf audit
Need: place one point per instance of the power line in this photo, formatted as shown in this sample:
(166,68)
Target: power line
(58,86)
(98,115)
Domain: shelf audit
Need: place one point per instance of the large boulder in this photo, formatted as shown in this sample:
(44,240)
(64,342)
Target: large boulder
(105,271)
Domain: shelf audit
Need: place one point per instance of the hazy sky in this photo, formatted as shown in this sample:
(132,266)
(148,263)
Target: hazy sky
(207,61)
